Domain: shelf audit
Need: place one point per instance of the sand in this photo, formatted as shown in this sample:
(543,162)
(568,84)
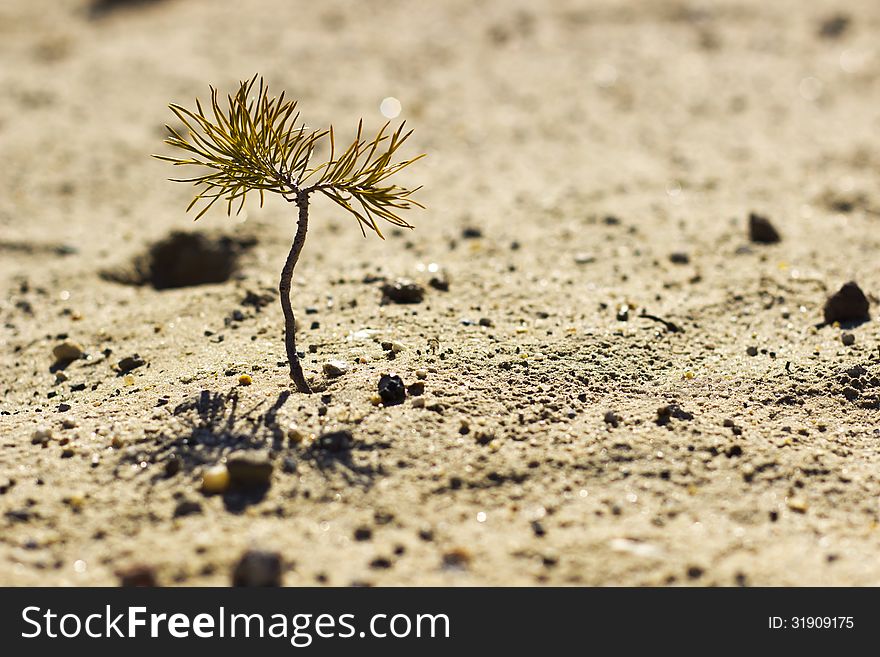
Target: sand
(562,438)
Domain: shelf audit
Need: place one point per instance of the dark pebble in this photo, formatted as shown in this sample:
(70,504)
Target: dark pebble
(666,413)
(258,568)
(137,576)
(391,389)
(679,258)
(402,291)
(761,230)
(612,418)
(363,534)
(848,304)
(129,363)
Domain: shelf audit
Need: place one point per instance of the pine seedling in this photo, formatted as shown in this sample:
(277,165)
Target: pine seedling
(255,143)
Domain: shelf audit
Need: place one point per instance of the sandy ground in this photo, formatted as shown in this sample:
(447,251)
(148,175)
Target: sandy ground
(573,148)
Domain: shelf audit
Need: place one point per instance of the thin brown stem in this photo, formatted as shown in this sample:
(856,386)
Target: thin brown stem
(302,226)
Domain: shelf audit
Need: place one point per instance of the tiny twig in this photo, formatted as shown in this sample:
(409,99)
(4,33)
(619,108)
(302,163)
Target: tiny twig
(672,327)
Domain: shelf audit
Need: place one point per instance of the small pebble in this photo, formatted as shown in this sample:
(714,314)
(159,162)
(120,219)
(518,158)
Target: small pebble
(391,389)
(612,419)
(129,363)
(142,576)
(752,351)
(761,230)
(848,339)
(334,368)
(258,568)
(402,291)
(679,258)
(67,351)
(41,436)
(245,380)
(848,304)
(421,374)
(215,480)
(295,435)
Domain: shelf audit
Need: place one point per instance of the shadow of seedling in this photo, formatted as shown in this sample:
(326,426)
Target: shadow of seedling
(216,426)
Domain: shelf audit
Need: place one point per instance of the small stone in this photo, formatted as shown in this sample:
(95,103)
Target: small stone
(666,413)
(335,441)
(258,568)
(215,480)
(363,534)
(140,576)
(334,368)
(797,504)
(471,233)
(456,559)
(41,436)
(245,380)
(173,466)
(679,258)
(295,435)
(761,230)
(834,26)
(752,351)
(440,282)
(416,389)
(421,374)
(398,347)
(623,313)
(584,258)
(848,339)
(67,352)
(391,389)
(129,363)
(402,291)
(485,321)
(418,402)
(250,470)
(848,304)
(612,419)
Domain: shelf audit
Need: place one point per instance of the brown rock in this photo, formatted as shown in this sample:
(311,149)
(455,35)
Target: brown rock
(848,304)
(761,230)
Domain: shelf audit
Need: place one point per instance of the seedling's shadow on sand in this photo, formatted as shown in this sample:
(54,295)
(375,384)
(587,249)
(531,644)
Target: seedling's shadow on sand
(215,426)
